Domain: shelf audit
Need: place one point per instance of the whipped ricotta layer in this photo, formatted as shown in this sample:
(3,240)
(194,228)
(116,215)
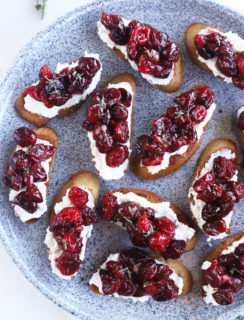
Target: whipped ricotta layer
(162,209)
(21,213)
(234,39)
(54,250)
(106,172)
(208,289)
(104,36)
(96,280)
(39,107)
(239,111)
(181,151)
(197,204)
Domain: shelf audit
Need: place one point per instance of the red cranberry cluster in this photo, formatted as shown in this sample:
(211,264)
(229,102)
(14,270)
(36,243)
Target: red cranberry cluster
(26,169)
(227,275)
(230,63)
(219,193)
(175,129)
(241,121)
(150,49)
(135,274)
(107,117)
(67,226)
(144,229)
(55,89)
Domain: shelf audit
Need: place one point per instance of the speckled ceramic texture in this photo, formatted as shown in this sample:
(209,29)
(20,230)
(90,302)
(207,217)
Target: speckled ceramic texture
(66,40)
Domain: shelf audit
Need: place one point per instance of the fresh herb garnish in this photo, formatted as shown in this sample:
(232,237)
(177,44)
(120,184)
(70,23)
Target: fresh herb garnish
(146,284)
(176,223)
(149,232)
(52,83)
(65,244)
(27,151)
(41,6)
(193,202)
(240,317)
(102,104)
(127,219)
(148,53)
(178,114)
(233,270)
(165,139)
(130,210)
(127,270)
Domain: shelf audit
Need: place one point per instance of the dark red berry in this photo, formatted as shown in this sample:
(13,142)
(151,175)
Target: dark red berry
(117,156)
(68,263)
(24,137)
(78,196)
(41,152)
(164,224)
(88,216)
(20,161)
(110,283)
(12,179)
(34,194)
(158,241)
(22,199)
(72,243)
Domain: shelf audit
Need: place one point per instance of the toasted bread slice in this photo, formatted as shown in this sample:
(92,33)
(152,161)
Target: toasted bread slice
(123,77)
(190,33)
(211,148)
(215,253)
(241,132)
(177,266)
(176,81)
(154,198)
(39,120)
(82,178)
(175,162)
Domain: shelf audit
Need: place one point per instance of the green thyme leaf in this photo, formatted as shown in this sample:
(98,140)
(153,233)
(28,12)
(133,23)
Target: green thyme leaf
(41,6)
(193,202)
(127,219)
(240,317)
(131,210)
(27,151)
(148,53)
(102,104)
(233,270)
(178,114)
(165,140)
(149,232)
(65,244)
(127,270)
(176,223)
(146,284)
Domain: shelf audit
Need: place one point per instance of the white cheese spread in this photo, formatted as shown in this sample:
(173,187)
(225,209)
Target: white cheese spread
(239,111)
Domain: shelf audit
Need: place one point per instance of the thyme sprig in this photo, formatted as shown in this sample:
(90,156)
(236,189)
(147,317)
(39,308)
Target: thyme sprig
(41,6)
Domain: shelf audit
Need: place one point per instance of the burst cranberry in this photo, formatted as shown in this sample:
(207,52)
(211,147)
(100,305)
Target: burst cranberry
(227,65)
(158,241)
(129,209)
(12,179)
(117,156)
(205,96)
(144,224)
(210,192)
(172,52)
(45,72)
(227,260)
(24,137)
(107,206)
(150,154)
(67,216)
(198,113)
(147,60)
(223,297)
(41,152)
(88,67)
(138,239)
(141,35)
(199,185)
(162,70)
(110,284)
(119,112)
(214,228)
(150,287)
(164,224)
(88,216)
(148,211)
(175,249)
(132,50)
(239,83)
(162,125)
(125,97)
(72,243)
(163,271)
(34,194)
(94,113)
(78,196)
(22,199)
(68,263)
(148,269)
(112,96)
(20,161)
(223,168)
(38,172)
(127,287)
(239,251)
(116,268)
(159,40)
(121,131)
(213,275)
(169,291)
(236,188)
(187,99)
(105,143)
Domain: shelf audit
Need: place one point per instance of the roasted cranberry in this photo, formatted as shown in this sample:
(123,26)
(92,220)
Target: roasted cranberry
(94,113)
(45,72)
(12,179)
(159,40)
(112,96)
(125,97)
(151,287)
(208,190)
(223,168)
(88,67)
(110,283)
(169,291)
(150,154)
(205,96)
(223,296)
(22,199)
(175,249)
(41,152)
(78,196)
(68,263)
(198,113)
(107,206)
(127,287)
(38,172)
(227,65)
(162,125)
(214,228)
(88,216)
(131,257)
(144,224)
(213,211)
(172,52)
(147,269)
(72,243)
(129,209)
(164,224)
(141,35)
(121,131)
(159,241)
(187,99)
(148,211)
(213,275)
(236,188)
(239,83)
(163,272)
(20,161)
(162,70)
(34,194)
(227,260)
(116,268)
(66,217)
(137,238)
(119,112)
(147,60)
(117,156)
(239,251)
(105,142)
(232,283)
(132,49)
(25,137)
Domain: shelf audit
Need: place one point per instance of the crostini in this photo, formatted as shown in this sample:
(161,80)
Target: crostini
(71,222)
(110,124)
(222,273)
(145,48)
(150,221)
(61,92)
(240,122)
(138,276)
(215,188)
(218,52)
(176,135)
(29,172)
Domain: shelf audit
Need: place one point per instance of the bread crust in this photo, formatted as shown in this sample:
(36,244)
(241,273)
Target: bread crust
(215,253)
(124,77)
(190,33)
(211,148)
(48,134)
(154,198)
(176,81)
(241,132)
(175,162)
(177,266)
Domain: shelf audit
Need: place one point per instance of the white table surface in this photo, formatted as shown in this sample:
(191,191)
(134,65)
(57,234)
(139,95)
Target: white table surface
(19,22)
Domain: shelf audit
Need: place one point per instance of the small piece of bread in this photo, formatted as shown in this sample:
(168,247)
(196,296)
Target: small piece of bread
(176,81)
(211,148)
(175,162)
(154,198)
(177,266)
(190,33)
(241,132)
(124,77)
(215,253)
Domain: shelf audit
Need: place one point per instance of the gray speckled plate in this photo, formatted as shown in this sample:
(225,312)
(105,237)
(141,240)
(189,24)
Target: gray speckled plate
(64,41)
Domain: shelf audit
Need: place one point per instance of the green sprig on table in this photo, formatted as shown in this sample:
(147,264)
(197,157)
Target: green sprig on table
(41,6)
